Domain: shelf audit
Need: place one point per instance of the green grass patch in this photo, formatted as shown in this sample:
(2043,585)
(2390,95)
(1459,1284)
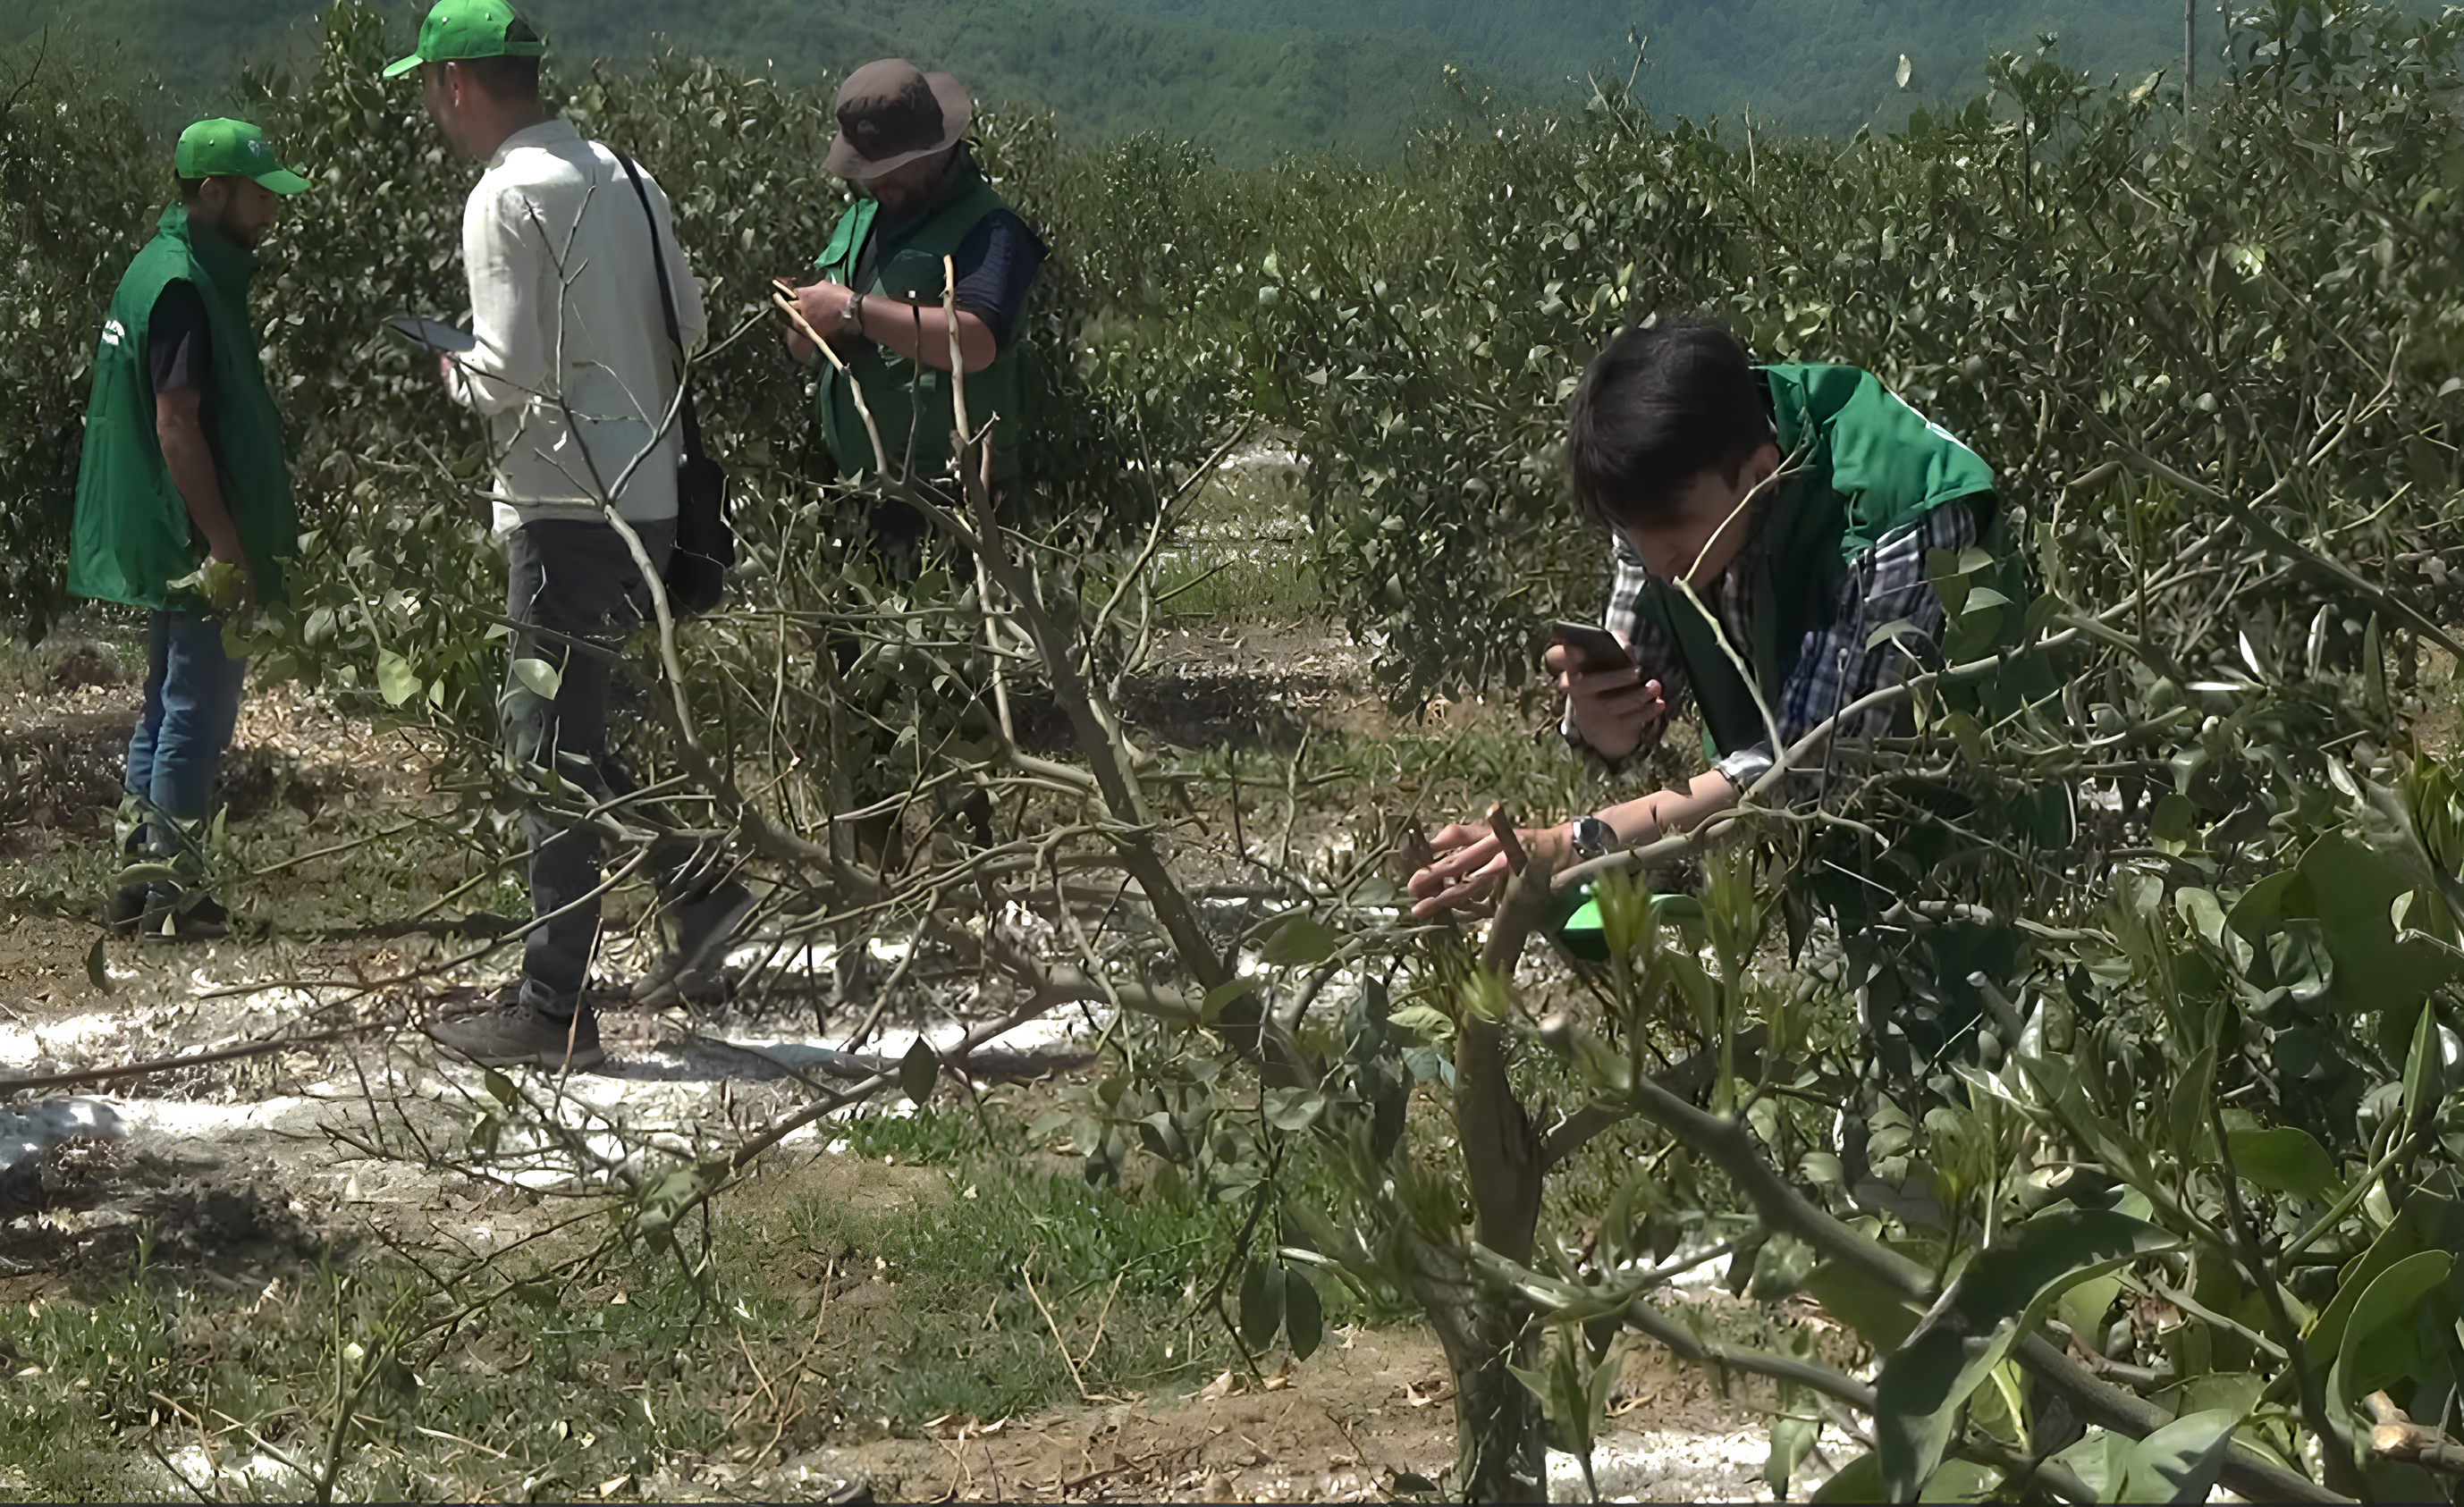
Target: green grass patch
(560,1395)
(868,1298)
(1243,552)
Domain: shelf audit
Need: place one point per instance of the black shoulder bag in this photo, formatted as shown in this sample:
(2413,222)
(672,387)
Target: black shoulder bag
(696,574)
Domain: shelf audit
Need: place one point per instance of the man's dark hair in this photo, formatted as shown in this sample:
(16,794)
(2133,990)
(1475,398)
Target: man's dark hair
(1661,405)
(501,77)
(190,187)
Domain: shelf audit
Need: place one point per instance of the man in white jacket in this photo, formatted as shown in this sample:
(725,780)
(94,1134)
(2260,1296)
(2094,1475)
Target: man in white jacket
(577,377)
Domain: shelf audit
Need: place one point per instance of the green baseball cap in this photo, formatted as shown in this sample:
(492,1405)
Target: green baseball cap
(226,148)
(458,28)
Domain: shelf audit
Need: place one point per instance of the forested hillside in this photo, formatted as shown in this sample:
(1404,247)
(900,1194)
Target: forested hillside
(1104,68)
(1822,65)
(1251,77)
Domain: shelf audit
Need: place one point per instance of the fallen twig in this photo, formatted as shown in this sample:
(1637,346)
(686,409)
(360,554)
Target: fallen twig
(9,1087)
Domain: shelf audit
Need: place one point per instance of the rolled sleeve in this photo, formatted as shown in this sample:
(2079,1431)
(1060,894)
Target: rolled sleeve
(1650,651)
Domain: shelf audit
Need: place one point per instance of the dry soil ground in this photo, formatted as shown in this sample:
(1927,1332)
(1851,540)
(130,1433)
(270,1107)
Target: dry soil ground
(243,1176)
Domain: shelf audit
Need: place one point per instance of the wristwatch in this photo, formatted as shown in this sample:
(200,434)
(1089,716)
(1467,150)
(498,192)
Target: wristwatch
(1747,767)
(851,315)
(1593,837)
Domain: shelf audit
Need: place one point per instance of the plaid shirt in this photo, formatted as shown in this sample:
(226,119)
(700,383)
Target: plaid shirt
(1834,667)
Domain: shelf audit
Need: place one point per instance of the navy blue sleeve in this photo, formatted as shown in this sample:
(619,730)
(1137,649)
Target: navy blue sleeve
(179,339)
(996,265)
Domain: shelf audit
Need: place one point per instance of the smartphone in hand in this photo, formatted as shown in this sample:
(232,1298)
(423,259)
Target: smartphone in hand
(1596,646)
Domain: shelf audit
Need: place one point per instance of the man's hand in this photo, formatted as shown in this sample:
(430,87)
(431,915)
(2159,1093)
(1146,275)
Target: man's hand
(1471,864)
(1612,709)
(178,428)
(228,583)
(820,303)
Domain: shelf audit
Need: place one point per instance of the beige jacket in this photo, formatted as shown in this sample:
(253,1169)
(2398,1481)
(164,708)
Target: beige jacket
(573,367)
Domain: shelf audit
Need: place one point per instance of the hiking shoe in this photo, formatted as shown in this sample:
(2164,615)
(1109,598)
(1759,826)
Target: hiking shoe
(695,968)
(517,1035)
(174,915)
(126,907)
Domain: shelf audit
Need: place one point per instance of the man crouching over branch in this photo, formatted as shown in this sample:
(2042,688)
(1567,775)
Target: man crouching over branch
(1772,517)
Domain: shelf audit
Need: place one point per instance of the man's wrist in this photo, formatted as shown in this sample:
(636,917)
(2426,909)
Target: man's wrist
(1745,767)
(850,320)
(1610,764)
(1591,837)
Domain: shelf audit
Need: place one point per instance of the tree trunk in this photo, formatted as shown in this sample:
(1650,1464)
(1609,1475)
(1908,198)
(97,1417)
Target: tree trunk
(1500,1456)
(2189,51)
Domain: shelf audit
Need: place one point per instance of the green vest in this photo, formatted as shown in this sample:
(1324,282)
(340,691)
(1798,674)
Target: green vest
(909,398)
(132,537)
(1867,465)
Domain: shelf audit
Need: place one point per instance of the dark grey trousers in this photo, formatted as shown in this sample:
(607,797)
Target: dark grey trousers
(577,581)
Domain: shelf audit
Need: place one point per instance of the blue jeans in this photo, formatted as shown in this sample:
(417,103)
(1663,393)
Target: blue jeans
(191,705)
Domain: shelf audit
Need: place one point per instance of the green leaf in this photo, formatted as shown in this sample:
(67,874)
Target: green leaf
(2187,1112)
(1859,1480)
(2202,912)
(2181,1461)
(1301,942)
(1791,1440)
(2392,1303)
(2352,887)
(1303,1318)
(1261,1304)
(1292,1109)
(397,681)
(148,874)
(1890,630)
(2171,821)
(538,676)
(2423,1078)
(2421,1225)
(2260,912)
(1423,1020)
(95,973)
(2099,1460)
(2083,1307)
(1971,739)
(919,1070)
(2002,1295)
(1223,993)
(2286,1160)
(499,1088)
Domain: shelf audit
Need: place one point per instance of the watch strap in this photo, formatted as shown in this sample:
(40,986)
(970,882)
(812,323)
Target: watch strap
(1593,837)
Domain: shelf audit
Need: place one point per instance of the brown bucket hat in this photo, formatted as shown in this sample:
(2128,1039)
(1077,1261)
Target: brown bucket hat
(891,113)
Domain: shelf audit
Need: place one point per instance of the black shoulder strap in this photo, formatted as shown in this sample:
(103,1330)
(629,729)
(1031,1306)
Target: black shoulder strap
(692,422)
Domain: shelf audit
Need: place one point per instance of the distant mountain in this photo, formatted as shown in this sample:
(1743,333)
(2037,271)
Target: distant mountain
(1253,78)
(1104,68)
(1815,65)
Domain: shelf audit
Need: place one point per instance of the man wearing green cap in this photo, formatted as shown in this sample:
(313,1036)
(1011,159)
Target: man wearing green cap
(185,468)
(576,280)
